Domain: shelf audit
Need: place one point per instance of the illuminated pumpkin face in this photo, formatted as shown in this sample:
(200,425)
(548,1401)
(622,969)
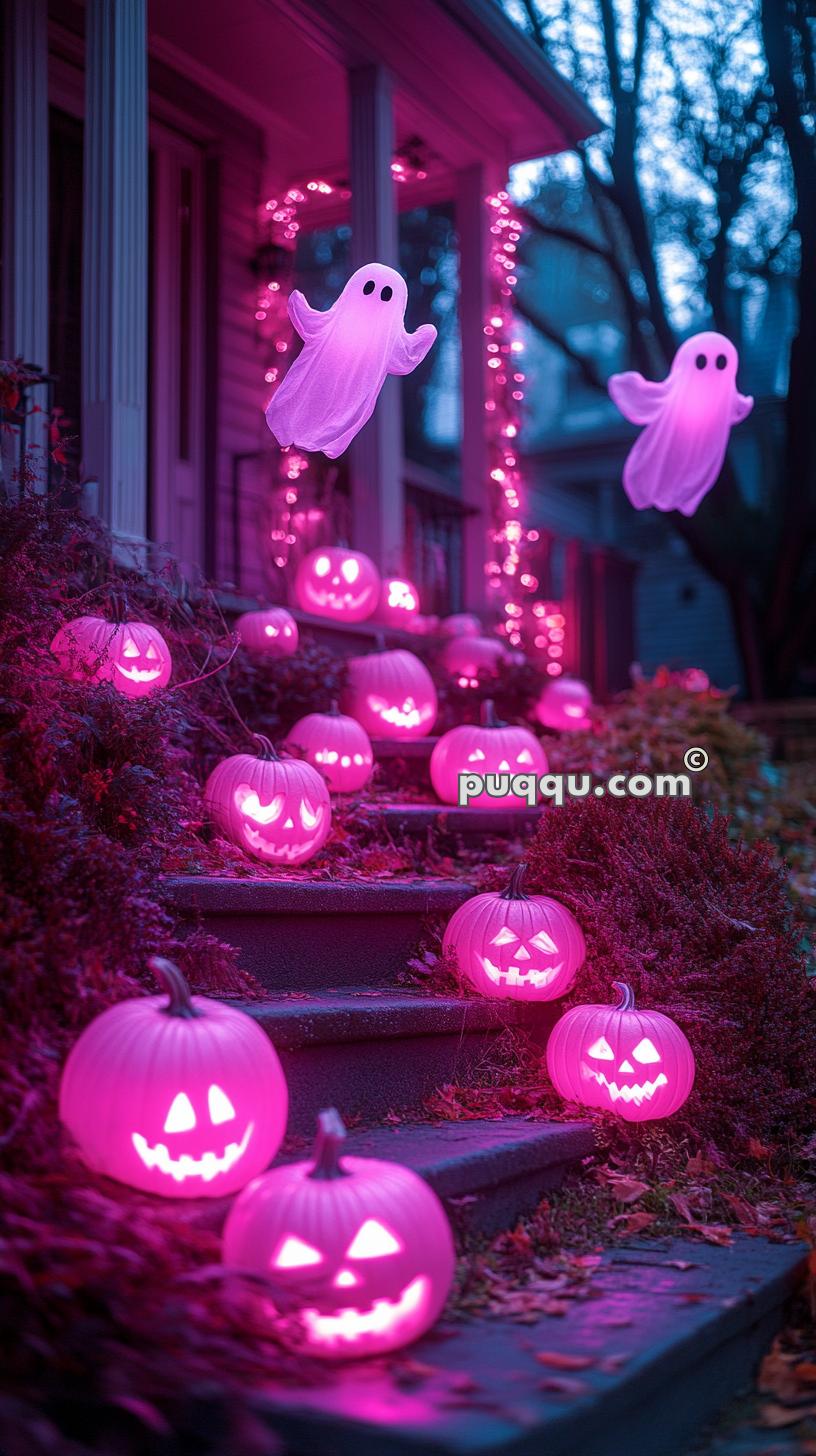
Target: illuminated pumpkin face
(391,694)
(516,946)
(277,810)
(358,1254)
(494,751)
(132,656)
(564,705)
(399,602)
(337,747)
(468,658)
(273,632)
(333,582)
(184,1097)
(636,1063)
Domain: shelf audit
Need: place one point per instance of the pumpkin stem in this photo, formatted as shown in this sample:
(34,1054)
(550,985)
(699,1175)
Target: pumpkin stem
(334,711)
(118,606)
(379,640)
(627,996)
(514,890)
(489,719)
(172,981)
(267,751)
(331,1134)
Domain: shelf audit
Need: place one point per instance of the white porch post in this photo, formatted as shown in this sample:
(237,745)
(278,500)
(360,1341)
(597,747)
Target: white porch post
(25,186)
(474,185)
(114,283)
(378,512)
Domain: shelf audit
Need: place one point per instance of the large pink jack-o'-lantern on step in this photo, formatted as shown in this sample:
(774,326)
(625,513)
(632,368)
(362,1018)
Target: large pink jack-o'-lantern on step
(272,631)
(491,749)
(468,658)
(399,603)
(175,1094)
(516,946)
(276,809)
(337,583)
(636,1063)
(391,694)
(132,656)
(358,1253)
(337,746)
(564,705)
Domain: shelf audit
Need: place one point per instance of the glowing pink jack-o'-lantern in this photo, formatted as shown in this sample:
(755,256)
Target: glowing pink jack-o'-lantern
(391,694)
(272,631)
(496,751)
(564,705)
(277,809)
(358,1252)
(175,1094)
(132,656)
(399,602)
(636,1063)
(461,624)
(333,582)
(337,746)
(688,418)
(516,946)
(468,658)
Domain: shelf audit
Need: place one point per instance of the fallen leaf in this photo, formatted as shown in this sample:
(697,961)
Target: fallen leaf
(776,1416)
(561,1360)
(627,1190)
(564,1385)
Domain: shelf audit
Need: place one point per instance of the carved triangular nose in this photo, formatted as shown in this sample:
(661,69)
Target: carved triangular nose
(522,954)
(626,1067)
(289,824)
(504,766)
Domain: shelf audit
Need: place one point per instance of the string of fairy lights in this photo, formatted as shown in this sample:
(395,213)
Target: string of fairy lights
(526,620)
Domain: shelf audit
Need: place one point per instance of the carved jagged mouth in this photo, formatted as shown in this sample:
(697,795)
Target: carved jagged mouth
(348,1326)
(287,852)
(516,976)
(339,600)
(138,674)
(404,717)
(636,1092)
(207,1167)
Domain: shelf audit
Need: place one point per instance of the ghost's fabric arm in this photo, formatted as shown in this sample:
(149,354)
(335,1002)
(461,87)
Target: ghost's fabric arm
(307,320)
(410,349)
(639,400)
(743,404)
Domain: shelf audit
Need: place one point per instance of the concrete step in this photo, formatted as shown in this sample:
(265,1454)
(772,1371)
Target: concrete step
(460,826)
(659,1338)
(301,935)
(371,1052)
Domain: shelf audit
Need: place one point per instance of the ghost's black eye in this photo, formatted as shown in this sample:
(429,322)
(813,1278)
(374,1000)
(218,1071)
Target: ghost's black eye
(386,293)
(369,286)
(701,361)
(721,361)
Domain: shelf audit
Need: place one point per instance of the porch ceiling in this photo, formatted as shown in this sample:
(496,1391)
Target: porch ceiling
(467,82)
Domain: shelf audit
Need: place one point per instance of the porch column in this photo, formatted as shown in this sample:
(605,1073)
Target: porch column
(378,509)
(114,282)
(474,184)
(25,189)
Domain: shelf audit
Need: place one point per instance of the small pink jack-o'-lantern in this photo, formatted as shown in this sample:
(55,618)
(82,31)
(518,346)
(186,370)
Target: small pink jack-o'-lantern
(132,656)
(337,746)
(391,694)
(399,602)
(516,946)
(636,1063)
(564,704)
(175,1094)
(277,809)
(337,583)
(468,658)
(461,624)
(272,631)
(492,749)
(358,1252)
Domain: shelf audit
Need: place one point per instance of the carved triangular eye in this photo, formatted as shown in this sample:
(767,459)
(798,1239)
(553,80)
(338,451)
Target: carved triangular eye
(181,1117)
(506,936)
(151,651)
(295,1254)
(130,649)
(373,1241)
(221,1109)
(646,1051)
(322,566)
(350,570)
(308,816)
(545,942)
(476,756)
(601,1050)
(525,756)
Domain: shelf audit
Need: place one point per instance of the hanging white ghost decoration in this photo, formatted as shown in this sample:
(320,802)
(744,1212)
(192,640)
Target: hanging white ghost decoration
(332,387)
(688,418)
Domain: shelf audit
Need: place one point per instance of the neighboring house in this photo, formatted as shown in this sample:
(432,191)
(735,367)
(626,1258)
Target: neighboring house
(140,143)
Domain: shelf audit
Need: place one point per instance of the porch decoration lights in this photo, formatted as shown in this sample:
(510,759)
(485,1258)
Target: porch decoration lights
(175,1094)
(688,418)
(357,1253)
